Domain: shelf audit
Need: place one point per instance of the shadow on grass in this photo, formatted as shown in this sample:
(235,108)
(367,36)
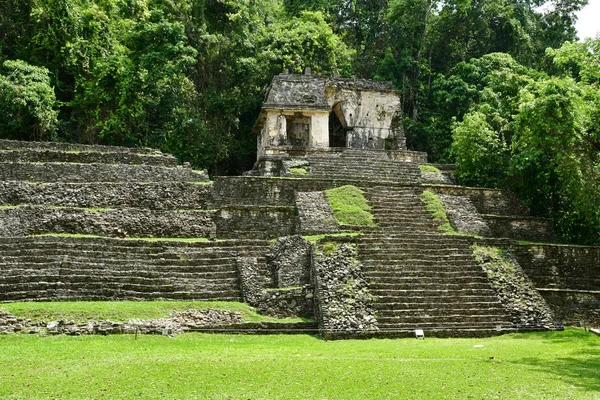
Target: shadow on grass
(581,370)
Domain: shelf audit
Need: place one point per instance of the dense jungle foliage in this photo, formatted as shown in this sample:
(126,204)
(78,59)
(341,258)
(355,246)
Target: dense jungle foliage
(500,87)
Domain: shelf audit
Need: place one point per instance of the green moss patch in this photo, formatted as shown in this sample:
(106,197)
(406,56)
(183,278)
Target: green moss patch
(316,238)
(429,168)
(436,208)
(350,206)
(329,248)
(299,171)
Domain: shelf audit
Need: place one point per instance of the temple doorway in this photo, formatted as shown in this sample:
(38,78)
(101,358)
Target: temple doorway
(338,132)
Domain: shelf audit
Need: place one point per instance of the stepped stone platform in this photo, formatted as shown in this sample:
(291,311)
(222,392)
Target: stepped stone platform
(48,268)
(106,223)
(423,279)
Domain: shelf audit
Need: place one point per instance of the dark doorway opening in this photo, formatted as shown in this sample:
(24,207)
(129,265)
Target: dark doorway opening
(338,133)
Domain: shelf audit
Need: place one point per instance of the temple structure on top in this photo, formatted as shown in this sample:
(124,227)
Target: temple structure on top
(304,112)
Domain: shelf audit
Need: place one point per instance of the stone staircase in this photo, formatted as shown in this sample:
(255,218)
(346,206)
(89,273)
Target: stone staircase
(360,165)
(422,278)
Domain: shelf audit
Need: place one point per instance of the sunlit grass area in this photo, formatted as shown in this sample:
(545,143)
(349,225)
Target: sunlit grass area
(122,311)
(552,365)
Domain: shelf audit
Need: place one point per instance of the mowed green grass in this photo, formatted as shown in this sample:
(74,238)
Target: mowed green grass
(123,311)
(553,365)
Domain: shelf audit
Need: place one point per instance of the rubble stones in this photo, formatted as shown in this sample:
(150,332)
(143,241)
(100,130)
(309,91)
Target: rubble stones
(345,302)
(287,302)
(464,216)
(177,322)
(254,277)
(289,261)
(522,301)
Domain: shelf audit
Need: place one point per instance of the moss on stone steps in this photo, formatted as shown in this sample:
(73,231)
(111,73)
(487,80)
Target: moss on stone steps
(436,208)
(350,206)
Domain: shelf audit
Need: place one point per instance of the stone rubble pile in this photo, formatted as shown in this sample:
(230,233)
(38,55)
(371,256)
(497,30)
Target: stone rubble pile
(522,301)
(345,300)
(177,322)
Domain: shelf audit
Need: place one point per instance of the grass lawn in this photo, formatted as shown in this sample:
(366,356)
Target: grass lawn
(123,311)
(553,365)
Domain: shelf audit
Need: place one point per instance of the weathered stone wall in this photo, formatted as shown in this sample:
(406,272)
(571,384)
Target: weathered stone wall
(135,222)
(280,285)
(287,302)
(343,301)
(521,228)
(486,201)
(6,144)
(64,268)
(255,277)
(95,172)
(289,261)
(371,110)
(250,190)
(315,213)
(156,196)
(256,221)
(561,266)
(87,157)
(463,215)
(567,276)
(576,308)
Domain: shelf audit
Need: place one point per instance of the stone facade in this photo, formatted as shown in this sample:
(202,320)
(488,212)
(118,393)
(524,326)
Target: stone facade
(306,111)
(280,287)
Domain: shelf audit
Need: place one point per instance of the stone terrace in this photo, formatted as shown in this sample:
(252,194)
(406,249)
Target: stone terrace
(99,222)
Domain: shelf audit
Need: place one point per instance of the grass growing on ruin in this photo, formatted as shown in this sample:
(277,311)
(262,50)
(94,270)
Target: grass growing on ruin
(553,365)
(122,311)
(429,168)
(146,239)
(436,208)
(185,240)
(298,171)
(316,238)
(350,206)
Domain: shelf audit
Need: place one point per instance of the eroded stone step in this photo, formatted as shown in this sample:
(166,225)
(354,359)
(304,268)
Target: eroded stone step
(7,144)
(439,286)
(419,298)
(96,172)
(155,195)
(87,157)
(491,325)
